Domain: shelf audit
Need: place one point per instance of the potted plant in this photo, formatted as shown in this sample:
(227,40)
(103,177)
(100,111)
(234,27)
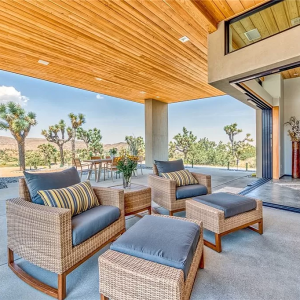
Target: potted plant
(294,134)
(126,164)
(113,152)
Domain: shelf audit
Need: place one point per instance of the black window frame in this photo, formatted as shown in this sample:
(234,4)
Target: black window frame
(247,14)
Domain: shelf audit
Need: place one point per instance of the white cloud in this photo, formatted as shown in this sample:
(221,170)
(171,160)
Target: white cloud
(9,93)
(99,96)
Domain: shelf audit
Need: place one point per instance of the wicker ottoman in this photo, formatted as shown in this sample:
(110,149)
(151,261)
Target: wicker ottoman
(125,276)
(214,218)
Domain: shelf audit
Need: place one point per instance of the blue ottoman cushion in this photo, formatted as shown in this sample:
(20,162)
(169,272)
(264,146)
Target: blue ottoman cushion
(90,222)
(232,205)
(189,191)
(162,240)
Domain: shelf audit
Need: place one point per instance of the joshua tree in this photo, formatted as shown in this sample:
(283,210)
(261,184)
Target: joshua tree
(232,131)
(19,124)
(237,147)
(91,138)
(183,143)
(49,152)
(52,136)
(136,145)
(76,122)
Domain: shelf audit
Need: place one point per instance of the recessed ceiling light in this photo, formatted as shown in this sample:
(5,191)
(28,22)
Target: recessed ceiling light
(184,39)
(143,92)
(97,78)
(43,62)
(252,35)
(157,96)
(296,74)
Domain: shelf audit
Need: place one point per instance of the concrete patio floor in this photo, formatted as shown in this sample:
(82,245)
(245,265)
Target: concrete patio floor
(250,267)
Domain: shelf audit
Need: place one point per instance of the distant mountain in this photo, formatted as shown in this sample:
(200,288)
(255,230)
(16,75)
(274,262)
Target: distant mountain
(32,144)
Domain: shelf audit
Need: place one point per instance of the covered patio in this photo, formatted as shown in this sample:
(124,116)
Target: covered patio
(155,53)
(250,266)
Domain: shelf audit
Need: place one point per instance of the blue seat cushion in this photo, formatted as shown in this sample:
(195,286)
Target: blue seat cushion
(189,191)
(92,221)
(48,181)
(169,166)
(232,205)
(166,241)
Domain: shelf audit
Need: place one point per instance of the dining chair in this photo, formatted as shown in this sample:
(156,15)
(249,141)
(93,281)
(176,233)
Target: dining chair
(80,167)
(112,167)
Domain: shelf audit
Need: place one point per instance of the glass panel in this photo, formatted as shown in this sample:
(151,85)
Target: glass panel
(262,24)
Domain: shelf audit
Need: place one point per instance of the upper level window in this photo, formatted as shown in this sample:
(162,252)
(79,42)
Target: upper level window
(267,20)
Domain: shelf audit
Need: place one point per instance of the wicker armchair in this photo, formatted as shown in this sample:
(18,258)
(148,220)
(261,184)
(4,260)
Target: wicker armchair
(42,235)
(163,191)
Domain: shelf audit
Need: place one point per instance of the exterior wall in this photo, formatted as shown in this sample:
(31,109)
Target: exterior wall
(250,61)
(291,108)
(156,131)
(270,53)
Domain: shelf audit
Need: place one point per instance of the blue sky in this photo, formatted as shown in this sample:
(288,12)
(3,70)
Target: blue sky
(116,117)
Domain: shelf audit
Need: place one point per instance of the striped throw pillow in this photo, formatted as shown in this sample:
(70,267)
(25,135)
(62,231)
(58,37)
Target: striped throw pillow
(79,197)
(183,177)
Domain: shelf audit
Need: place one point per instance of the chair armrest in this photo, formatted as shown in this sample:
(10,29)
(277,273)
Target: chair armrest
(108,196)
(38,233)
(162,188)
(203,179)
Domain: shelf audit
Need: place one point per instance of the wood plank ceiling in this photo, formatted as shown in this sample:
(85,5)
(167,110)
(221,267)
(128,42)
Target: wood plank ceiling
(292,73)
(131,46)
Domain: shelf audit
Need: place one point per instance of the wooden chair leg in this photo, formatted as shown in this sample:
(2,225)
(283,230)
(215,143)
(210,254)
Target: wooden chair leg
(102,297)
(170,213)
(217,246)
(59,293)
(218,243)
(261,227)
(201,266)
(149,210)
(10,256)
(61,287)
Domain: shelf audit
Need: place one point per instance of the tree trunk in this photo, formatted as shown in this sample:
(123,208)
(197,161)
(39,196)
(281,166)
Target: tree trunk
(61,152)
(21,148)
(185,156)
(73,142)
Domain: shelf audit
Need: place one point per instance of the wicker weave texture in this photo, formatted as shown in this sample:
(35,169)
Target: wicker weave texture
(124,277)
(213,219)
(163,191)
(43,235)
(136,198)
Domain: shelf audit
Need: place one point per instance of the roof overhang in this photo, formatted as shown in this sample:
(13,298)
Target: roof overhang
(123,48)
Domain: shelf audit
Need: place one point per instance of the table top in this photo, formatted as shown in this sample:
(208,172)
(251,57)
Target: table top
(134,188)
(98,160)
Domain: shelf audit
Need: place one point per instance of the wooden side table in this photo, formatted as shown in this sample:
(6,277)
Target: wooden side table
(136,199)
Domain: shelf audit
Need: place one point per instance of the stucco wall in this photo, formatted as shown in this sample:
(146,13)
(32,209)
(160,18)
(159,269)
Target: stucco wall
(291,108)
(276,51)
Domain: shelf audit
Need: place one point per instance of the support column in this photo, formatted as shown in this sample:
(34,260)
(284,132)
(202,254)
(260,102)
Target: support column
(156,131)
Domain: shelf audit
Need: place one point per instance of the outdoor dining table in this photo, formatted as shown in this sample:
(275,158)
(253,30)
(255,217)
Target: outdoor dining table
(94,163)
